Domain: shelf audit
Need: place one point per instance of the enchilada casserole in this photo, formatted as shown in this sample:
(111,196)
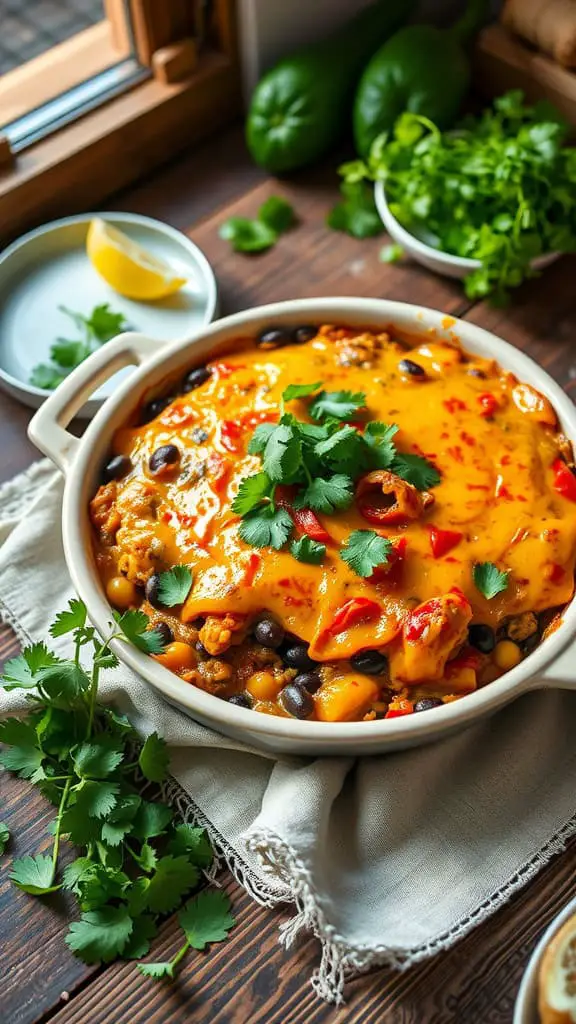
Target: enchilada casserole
(340,524)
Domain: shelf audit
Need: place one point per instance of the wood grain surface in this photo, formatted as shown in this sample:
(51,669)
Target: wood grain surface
(251,978)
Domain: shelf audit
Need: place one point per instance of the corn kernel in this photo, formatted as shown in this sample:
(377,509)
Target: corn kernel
(507,655)
(121,592)
(177,656)
(264,686)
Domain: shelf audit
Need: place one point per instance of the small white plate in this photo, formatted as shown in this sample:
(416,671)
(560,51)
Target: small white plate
(48,267)
(526,1006)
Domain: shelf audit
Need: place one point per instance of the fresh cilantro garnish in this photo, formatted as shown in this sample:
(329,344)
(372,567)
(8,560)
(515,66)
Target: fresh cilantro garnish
(337,405)
(391,253)
(134,862)
(204,919)
(365,551)
(245,234)
(283,453)
(174,585)
(300,391)
(252,492)
(356,213)
(66,354)
(327,495)
(266,527)
(416,470)
(4,837)
(307,550)
(489,580)
(259,438)
(135,625)
(344,451)
(379,438)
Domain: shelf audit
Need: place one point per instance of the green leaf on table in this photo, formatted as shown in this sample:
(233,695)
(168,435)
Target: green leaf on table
(356,213)
(391,253)
(80,870)
(154,758)
(206,918)
(489,579)
(64,682)
(266,527)
(22,671)
(365,551)
(73,618)
(97,799)
(145,929)
(246,235)
(277,213)
(187,839)
(97,759)
(252,492)
(307,550)
(327,495)
(337,405)
(151,819)
(100,935)
(26,761)
(162,969)
(173,877)
(4,837)
(34,875)
(120,820)
(174,585)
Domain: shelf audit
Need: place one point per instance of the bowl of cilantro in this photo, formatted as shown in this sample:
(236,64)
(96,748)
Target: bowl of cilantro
(490,203)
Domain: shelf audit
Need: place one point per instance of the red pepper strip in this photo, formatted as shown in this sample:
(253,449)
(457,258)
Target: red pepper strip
(442,541)
(564,480)
(356,609)
(402,707)
(307,521)
(488,403)
(254,561)
(230,433)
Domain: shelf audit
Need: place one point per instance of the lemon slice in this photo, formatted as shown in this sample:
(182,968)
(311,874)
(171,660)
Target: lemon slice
(126,266)
(557,978)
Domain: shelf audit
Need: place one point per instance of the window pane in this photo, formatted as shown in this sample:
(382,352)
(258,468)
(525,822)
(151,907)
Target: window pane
(31,27)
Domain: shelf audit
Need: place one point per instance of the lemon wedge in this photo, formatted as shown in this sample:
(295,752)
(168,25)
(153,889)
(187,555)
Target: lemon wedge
(126,266)
(557,980)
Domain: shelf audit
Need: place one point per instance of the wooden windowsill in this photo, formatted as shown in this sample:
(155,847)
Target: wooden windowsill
(61,68)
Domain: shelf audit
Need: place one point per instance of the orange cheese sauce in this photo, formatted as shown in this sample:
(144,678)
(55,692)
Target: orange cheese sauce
(493,440)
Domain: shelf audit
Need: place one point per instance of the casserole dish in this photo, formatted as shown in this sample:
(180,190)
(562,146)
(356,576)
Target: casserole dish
(80,461)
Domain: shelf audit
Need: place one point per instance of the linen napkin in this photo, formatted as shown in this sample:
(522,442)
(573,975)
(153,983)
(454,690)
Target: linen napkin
(386,859)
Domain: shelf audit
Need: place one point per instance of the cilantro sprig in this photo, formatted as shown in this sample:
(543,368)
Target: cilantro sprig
(66,354)
(134,861)
(246,234)
(365,551)
(489,579)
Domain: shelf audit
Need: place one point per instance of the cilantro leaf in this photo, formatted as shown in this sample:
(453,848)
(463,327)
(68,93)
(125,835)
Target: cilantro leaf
(162,969)
(193,842)
(104,324)
(379,438)
(365,551)
(282,454)
(206,918)
(173,877)
(135,627)
(151,819)
(21,672)
(174,585)
(145,929)
(34,875)
(100,935)
(4,837)
(324,495)
(391,253)
(356,213)
(46,377)
(252,491)
(489,579)
(416,470)
(259,438)
(154,758)
(246,235)
(80,870)
(277,213)
(266,527)
(120,820)
(344,450)
(97,798)
(25,760)
(96,760)
(307,550)
(74,618)
(63,682)
(338,405)
(300,390)
(18,733)
(81,829)
(68,354)
(147,858)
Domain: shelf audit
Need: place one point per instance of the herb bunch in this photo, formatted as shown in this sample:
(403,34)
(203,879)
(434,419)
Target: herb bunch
(322,460)
(499,189)
(66,354)
(135,863)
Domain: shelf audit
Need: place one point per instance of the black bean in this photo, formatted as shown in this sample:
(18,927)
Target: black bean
(153,409)
(241,700)
(310,681)
(297,656)
(530,643)
(165,632)
(425,703)
(274,337)
(201,649)
(269,633)
(482,637)
(152,590)
(411,368)
(304,334)
(196,377)
(116,468)
(296,701)
(166,455)
(475,372)
(371,662)
(199,435)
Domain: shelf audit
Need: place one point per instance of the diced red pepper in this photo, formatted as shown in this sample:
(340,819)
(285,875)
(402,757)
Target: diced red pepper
(502,490)
(468,658)
(489,404)
(555,573)
(230,434)
(252,567)
(564,480)
(454,405)
(307,521)
(253,419)
(400,708)
(353,611)
(442,541)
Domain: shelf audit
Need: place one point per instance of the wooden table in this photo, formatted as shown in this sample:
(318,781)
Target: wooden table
(251,978)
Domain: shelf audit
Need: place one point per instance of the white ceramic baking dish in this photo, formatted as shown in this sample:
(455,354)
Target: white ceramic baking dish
(553,663)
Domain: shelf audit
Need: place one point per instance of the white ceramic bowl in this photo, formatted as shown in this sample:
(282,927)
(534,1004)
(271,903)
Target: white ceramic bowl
(526,1006)
(434,259)
(551,664)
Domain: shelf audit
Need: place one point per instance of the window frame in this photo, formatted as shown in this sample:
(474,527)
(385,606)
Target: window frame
(186,89)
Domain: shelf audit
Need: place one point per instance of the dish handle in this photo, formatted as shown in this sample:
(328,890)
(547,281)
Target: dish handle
(561,673)
(47,428)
